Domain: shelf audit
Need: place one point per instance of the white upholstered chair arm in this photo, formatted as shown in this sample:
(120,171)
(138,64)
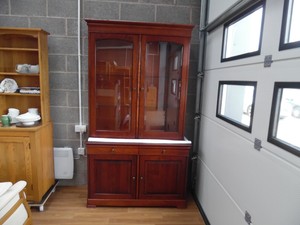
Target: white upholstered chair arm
(14,209)
(11,192)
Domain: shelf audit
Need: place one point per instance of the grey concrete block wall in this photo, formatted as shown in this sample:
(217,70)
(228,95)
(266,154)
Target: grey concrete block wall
(59,18)
(28,7)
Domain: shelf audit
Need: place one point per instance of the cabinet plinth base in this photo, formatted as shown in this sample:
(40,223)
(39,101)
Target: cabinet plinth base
(136,203)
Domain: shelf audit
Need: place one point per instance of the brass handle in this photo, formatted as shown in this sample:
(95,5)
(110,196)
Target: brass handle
(113,150)
(133,178)
(142,89)
(142,178)
(163,151)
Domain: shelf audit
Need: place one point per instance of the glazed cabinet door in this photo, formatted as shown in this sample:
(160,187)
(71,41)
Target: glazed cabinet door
(112,176)
(113,72)
(162,177)
(163,86)
(15,162)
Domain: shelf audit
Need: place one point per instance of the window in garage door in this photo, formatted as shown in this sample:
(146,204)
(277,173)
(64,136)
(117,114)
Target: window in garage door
(284,126)
(290,32)
(236,103)
(242,35)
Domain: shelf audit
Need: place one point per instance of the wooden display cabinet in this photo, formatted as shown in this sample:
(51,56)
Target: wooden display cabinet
(26,152)
(138,77)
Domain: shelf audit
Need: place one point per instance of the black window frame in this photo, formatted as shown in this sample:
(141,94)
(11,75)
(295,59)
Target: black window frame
(241,83)
(236,19)
(274,117)
(282,44)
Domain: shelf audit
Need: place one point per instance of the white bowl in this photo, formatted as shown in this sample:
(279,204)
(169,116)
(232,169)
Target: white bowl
(28,118)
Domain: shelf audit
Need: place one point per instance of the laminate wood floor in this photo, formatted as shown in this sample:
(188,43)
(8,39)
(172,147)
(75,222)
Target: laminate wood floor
(67,206)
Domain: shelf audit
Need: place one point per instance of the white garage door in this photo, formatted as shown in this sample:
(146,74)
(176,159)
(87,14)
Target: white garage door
(249,151)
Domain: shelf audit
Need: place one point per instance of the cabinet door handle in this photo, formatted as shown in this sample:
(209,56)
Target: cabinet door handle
(133,178)
(141,178)
(113,150)
(142,89)
(163,151)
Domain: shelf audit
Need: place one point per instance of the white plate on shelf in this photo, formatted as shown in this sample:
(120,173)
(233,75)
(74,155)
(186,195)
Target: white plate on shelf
(28,118)
(8,85)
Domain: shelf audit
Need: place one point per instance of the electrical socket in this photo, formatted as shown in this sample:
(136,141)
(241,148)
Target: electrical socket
(80,128)
(80,151)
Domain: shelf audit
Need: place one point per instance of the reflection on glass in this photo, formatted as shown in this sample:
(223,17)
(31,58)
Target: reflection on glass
(162,86)
(113,84)
(235,103)
(288,128)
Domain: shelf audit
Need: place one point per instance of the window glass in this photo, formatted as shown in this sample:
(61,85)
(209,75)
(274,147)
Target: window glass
(236,103)
(285,117)
(290,34)
(114,59)
(294,32)
(242,36)
(162,86)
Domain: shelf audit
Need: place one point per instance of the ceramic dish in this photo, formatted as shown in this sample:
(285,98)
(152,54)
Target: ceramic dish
(27,68)
(28,118)
(33,124)
(8,85)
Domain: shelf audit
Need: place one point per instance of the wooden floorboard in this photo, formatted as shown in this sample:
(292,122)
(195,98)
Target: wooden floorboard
(67,206)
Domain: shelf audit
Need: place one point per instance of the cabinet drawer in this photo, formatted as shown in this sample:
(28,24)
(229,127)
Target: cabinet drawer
(164,151)
(111,149)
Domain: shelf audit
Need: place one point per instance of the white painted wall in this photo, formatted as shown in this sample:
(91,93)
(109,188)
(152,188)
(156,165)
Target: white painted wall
(232,176)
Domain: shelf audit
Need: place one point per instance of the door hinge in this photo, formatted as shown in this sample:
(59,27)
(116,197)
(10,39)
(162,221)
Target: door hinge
(194,157)
(200,75)
(268,61)
(257,144)
(197,116)
(28,146)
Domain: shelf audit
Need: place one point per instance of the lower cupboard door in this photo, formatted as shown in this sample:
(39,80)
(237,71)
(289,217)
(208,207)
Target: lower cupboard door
(162,177)
(15,162)
(112,176)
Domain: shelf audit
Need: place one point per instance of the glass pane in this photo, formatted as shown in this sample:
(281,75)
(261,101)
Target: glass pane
(162,86)
(243,36)
(235,103)
(288,128)
(113,84)
(293,32)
